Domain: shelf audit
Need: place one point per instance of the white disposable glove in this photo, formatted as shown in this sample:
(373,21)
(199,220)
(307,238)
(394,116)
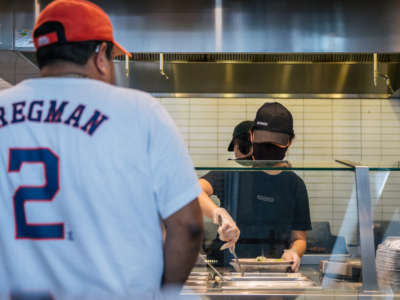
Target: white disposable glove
(227,230)
(290,254)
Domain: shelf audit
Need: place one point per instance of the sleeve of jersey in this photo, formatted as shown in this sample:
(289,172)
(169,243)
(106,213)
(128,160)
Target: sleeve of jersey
(175,181)
(302,219)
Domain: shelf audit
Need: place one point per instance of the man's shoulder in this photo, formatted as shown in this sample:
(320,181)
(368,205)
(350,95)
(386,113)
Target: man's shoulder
(121,98)
(91,86)
(9,91)
(128,94)
(284,176)
(103,96)
(142,101)
(295,180)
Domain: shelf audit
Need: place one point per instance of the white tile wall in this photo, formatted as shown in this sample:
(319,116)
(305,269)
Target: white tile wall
(326,129)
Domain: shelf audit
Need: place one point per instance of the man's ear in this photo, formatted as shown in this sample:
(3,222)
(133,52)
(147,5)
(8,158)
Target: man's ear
(101,60)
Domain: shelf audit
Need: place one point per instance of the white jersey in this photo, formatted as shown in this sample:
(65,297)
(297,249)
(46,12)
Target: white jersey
(88,170)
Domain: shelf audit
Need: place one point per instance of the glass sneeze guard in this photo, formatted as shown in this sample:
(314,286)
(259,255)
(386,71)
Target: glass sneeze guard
(336,172)
(249,165)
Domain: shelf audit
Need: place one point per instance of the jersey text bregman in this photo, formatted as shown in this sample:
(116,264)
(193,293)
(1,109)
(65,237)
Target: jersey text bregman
(24,111)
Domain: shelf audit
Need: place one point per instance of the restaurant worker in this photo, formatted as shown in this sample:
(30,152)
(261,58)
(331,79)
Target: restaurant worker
(272,210)
(242,147)
(90,170)
(241,141)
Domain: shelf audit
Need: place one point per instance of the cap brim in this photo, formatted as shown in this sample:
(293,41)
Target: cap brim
(265,136)
(119,50)
(230,147)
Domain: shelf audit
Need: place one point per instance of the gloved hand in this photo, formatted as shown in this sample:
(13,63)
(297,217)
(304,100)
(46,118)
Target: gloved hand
(290,254)
(227,230)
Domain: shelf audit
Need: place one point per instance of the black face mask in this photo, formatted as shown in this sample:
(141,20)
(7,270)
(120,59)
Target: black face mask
(267,151)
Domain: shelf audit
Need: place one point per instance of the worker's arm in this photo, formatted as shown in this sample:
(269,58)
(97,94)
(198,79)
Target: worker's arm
(299,241)
(227,230)
(297,248)
(206,203)
(184,233)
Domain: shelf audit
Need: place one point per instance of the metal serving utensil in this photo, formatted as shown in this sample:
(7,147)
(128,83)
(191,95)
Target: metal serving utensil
(203,257)
(232,249)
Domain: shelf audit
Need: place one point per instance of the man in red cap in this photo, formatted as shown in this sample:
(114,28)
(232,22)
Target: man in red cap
(92,171)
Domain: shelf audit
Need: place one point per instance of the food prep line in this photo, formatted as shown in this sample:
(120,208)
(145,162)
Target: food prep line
(308,283)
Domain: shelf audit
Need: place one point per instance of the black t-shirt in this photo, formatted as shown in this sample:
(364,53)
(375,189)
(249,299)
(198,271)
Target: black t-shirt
(265,207)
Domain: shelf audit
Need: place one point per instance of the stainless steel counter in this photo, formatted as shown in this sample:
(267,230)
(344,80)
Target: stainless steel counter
(307,284)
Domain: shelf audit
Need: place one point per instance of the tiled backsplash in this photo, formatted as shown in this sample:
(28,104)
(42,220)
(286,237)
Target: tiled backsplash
(326,129)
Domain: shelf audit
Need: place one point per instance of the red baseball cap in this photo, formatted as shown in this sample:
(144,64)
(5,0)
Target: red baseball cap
(81,21)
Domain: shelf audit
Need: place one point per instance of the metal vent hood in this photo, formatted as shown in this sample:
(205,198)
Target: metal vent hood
(281,48)
(272,26)
(323,75)
(258,47)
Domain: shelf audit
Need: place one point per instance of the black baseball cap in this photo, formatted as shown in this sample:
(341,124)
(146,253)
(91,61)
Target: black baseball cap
(241,129)
(273,124)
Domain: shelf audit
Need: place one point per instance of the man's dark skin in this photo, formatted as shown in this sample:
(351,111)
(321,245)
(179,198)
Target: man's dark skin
(184,228)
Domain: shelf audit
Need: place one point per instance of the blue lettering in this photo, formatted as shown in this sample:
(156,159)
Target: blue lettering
(18,112)
(94,122)
(76,116)
(2,117)
(54,114)
(38,117)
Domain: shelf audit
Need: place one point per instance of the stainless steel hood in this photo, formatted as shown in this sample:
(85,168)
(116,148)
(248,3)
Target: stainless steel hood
(280,48)
(242,74)
(262,75)
(272,26)
(258,47)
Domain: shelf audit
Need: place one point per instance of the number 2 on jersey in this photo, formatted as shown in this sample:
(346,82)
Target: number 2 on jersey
(47,192)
